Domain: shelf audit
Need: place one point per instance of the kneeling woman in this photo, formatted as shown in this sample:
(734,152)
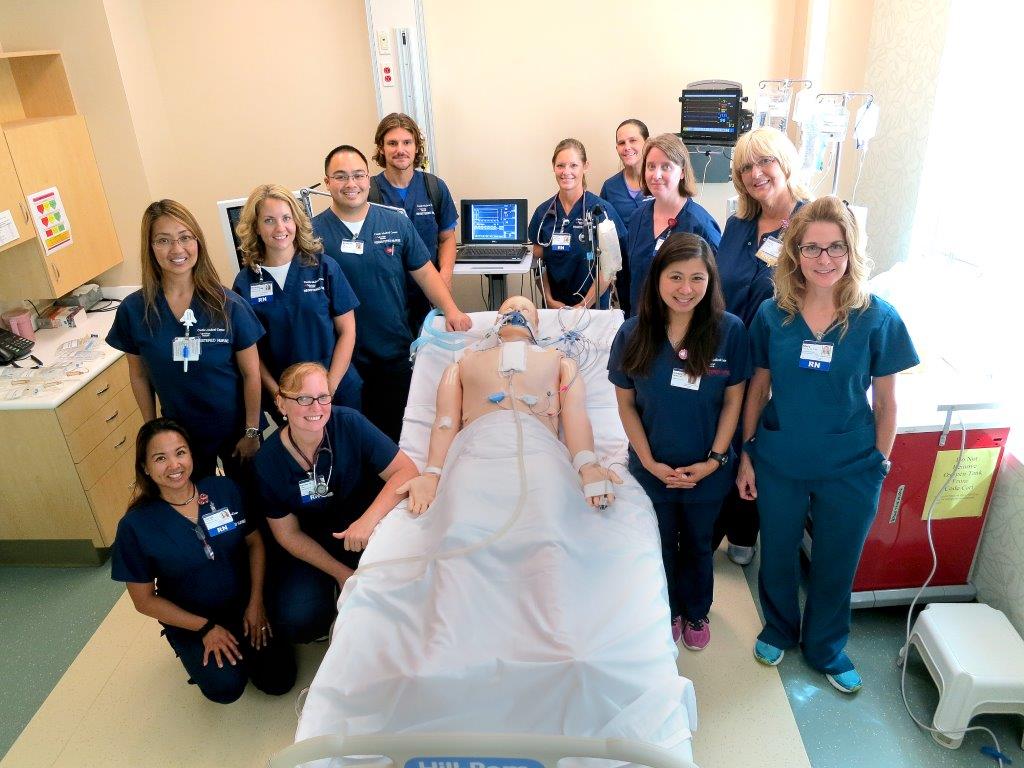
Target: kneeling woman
(815,445)
(679,369)
(314,477)
(192,539)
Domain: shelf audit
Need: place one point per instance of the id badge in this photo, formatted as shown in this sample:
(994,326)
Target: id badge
(561,241)
(816,355)
(185,348)
(219,521)
(657,245)
(307,491)
(261,293)
(683,380)
(769,251)
(352,246)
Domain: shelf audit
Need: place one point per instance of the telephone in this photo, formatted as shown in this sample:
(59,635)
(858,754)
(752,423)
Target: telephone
(13,347)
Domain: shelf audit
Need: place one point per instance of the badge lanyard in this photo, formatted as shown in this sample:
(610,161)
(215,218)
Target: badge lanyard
(660,239)
(185,348)
(770,249)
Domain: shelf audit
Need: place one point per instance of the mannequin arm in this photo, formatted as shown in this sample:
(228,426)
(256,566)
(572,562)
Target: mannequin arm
(579,436)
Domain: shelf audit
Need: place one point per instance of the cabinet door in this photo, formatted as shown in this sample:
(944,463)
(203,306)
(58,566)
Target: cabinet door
(11,199)
(57,152)
(110,496)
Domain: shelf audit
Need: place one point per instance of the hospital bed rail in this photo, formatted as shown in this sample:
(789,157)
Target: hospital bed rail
(475,750)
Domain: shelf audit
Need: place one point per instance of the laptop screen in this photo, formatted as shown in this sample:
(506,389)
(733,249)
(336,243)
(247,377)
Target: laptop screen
(493,221)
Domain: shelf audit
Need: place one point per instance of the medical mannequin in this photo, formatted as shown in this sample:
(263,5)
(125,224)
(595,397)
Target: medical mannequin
(550,389)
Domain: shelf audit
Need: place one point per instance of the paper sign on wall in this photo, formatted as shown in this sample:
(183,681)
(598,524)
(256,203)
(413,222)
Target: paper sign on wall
(51,220)
(966,493)
(8,229)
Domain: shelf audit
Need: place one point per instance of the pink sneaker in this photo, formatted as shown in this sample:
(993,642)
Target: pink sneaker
(677,628)
(697,634)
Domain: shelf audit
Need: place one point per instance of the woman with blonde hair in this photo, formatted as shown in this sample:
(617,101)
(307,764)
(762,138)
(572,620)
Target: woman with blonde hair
(667,176)
(191,342)
(815,446)
(302,299)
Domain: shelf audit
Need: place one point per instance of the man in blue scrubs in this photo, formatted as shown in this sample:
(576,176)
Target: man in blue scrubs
(376,246)
(425,198)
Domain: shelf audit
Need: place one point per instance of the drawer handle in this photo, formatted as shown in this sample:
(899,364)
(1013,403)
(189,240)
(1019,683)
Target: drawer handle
(103,390)
(112,416)
(123,440)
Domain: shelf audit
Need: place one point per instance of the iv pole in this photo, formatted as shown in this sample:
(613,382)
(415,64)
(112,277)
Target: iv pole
(846,97)
(304,194)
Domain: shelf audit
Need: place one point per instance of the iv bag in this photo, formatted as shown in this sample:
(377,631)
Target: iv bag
(611,256)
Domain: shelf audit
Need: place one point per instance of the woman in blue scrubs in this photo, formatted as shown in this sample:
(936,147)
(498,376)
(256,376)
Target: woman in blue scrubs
(668,178)
(679,369)
(191,342)
(624,192)
(558,230)
(815,445)
(302,299)
(318,486)
(376,246)
(764,164)
(193,540)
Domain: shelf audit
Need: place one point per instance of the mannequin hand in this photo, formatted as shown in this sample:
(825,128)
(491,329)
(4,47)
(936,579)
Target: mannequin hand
(690,475)
(255,625)
(221,643)
(457,321)
(358,534)
(246,448)
(421,492)
(595,473)
(745,478)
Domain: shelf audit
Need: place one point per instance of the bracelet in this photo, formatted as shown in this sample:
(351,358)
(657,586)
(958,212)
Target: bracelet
(205,629)
(432,471)
(252,433)
(583,458)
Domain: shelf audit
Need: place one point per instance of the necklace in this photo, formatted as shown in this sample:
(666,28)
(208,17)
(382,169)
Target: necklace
(186,501)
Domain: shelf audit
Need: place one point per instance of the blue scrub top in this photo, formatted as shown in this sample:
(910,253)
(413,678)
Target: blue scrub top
(569,270)
(820,423)
(156,542)
(299,318)
(746,280)
(391,248)
(642,242)
(680,424)
(420,210)
(207,400)
(617,192)
(360,451)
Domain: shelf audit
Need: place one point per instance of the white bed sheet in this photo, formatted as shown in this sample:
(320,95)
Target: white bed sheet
(589,652)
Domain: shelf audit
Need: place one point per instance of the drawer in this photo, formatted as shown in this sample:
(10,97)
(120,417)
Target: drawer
(103,456)
(109,497)
(98,426)
(77,409)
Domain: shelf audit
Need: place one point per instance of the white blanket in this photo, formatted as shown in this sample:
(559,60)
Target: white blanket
(558,626)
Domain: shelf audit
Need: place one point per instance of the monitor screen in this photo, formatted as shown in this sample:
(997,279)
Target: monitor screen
(494,222)
(710,117)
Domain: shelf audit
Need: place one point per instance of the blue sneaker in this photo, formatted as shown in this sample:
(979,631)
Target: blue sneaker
(767,654)
(846,682)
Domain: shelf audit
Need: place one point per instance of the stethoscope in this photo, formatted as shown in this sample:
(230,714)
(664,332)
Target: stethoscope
(551,212)
(321,485)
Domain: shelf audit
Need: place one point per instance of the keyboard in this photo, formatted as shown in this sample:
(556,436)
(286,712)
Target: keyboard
(13,346)
(491,254)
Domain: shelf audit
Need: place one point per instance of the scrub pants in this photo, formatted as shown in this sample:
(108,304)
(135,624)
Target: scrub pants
(686,552)
(385,392)
(271,668)
(843,509)
(738,521)
(302,600)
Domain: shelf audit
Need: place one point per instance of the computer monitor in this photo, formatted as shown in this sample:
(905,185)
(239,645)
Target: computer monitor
(494,222)
(229,212)
(710,116)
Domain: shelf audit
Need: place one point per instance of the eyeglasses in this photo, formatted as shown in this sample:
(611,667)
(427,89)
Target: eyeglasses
(343,178)
(308,399)
(814,251)
(165,243)
(761,163)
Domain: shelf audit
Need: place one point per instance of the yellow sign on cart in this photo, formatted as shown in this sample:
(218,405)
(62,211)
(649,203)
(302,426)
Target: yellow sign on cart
(965,495)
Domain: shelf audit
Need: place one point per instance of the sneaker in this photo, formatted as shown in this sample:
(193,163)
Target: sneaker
(740,555)
(677,628)
(767,654)
(697,634)
(846,682)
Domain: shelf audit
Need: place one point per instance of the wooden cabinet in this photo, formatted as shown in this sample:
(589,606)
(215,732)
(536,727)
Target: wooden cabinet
(67,472)
(43,144)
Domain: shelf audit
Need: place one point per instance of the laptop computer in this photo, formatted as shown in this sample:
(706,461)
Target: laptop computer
(493,231)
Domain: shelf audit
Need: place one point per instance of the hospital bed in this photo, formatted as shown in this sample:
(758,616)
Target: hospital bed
(413,693)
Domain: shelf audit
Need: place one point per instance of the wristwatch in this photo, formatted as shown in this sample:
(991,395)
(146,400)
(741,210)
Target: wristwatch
(721,458)
(252,433)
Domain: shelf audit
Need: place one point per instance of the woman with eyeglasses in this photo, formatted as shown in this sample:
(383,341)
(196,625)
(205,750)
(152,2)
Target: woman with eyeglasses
(667,176)
(191,343)
(318,487)
(192,560)
(816,447)
(302,299)
(764,168)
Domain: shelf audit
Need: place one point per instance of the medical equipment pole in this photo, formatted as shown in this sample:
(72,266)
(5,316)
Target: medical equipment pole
(845,97)
(304,194)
